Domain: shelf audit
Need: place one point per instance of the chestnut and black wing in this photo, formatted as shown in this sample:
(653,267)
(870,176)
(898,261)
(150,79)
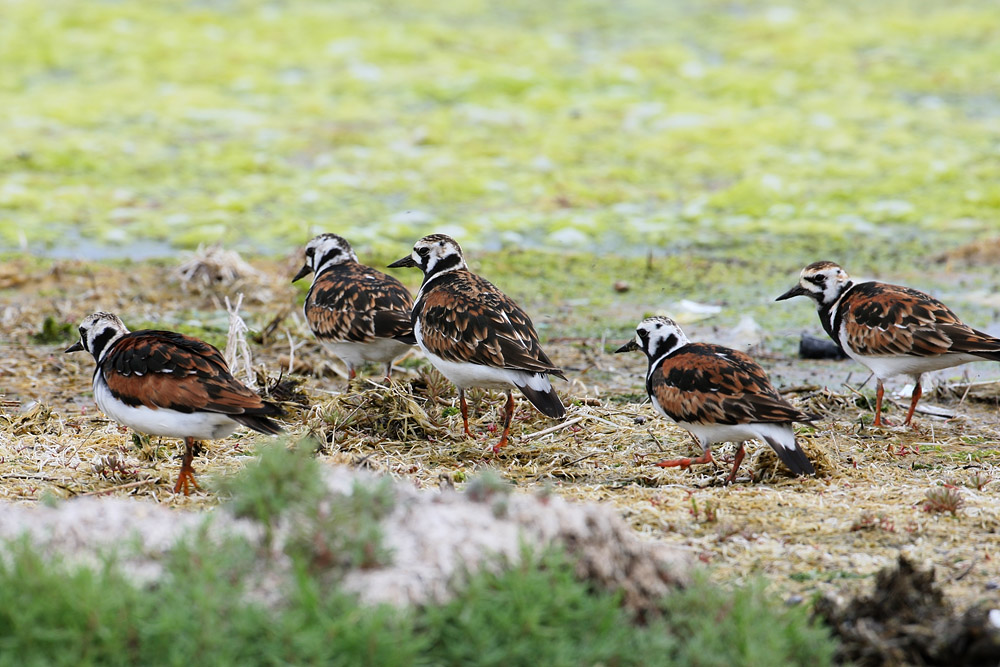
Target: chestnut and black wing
(353,302)
(465,318)
(164,369)
(710,384)
(884,320)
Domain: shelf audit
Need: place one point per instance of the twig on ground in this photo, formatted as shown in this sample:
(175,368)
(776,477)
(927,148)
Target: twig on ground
(130,485)
(553,429)
(291,351)
(14,475)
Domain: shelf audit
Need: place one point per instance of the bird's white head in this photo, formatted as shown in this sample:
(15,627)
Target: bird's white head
(823,282)
(324,251)
(656,336)
(434,254)
(97,333)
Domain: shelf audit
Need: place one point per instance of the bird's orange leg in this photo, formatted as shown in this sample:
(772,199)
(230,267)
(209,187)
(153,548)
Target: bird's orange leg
(879,391)
(465,412)
(740,453)
(508,413)
(917,393)
(388,372)
(185,479)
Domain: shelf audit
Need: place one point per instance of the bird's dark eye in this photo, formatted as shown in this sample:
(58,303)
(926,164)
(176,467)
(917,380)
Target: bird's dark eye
(423,251)
(816,280)
(310,252)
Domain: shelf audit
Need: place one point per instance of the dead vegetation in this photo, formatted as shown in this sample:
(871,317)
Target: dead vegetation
(982,253)
(213,268)
(907,620)
(831,533)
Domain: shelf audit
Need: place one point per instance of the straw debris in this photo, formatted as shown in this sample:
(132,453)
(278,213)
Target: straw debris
(32,419)
(767,467)
(387,412)
(208,269)
(237,354)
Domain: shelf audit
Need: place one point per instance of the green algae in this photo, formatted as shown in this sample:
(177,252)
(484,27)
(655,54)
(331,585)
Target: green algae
(584,125)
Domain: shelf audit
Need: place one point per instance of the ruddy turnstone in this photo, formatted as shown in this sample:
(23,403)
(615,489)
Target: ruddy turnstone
(892,330)
(168,384)
(475,334)
(717,394)
(358,313)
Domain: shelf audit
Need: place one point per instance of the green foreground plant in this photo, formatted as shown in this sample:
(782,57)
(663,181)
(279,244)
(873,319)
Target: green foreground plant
(533,613)
(201,609)
(327,532)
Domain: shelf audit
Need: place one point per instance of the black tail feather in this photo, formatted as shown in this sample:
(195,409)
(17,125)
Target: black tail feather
(972,341)
(546,401)
(992,355)
(794,459)
(407,338)
(259,423)
(260,420)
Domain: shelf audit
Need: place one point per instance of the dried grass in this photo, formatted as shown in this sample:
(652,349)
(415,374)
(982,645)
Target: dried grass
(212,268)
(982,252)
(798,532)
(238,355)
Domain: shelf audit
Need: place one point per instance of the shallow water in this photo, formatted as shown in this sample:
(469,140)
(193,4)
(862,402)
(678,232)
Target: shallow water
(85,249)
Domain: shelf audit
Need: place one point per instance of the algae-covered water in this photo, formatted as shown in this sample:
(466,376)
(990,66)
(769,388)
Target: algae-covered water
(134,128)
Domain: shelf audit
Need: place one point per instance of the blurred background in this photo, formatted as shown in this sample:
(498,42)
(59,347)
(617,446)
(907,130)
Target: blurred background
(803,129)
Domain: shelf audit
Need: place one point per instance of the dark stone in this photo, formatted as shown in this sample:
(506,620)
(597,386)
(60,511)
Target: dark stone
(814,347)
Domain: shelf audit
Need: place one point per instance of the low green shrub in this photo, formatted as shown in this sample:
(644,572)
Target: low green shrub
(534,612)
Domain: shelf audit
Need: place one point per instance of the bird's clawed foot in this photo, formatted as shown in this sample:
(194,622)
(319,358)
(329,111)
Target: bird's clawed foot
(500,445)
(185,480)
(882,422)
(740,453)
(904,450)
(685,463)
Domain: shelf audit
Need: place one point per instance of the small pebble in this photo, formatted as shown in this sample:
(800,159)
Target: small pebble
(640,420)
(992,585)
(794,600)
(622,286)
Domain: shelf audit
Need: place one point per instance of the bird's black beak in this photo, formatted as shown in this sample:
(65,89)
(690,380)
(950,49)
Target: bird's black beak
(303,272)
(405,261)
(75,347)
(630,346)
(798,290)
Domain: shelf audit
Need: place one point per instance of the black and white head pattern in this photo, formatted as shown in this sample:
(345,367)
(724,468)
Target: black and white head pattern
(658,336)
(436,254)
(98,332)
(823,282)
(328,250)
